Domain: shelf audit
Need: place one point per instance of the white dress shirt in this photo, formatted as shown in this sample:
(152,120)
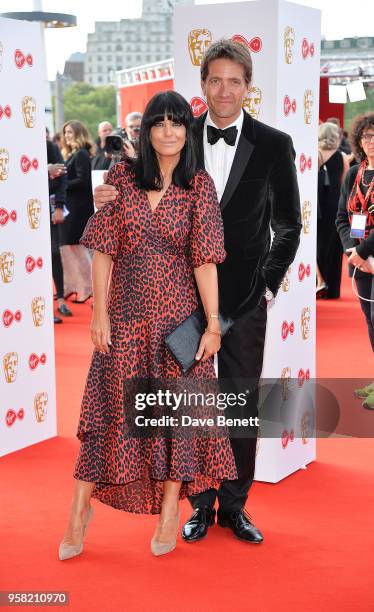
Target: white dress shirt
(218,158)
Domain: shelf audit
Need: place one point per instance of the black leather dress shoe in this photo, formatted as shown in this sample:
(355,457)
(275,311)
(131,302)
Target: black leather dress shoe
(57,320)
(197,526)
(64,310)
(241,525)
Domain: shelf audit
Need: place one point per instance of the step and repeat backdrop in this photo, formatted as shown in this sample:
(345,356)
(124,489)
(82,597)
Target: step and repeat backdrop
(284,40)
(27,375)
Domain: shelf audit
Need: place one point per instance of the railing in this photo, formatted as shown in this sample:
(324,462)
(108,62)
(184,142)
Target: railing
(147,73)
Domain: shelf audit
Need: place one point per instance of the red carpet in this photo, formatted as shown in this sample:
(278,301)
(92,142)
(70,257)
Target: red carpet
(318,523)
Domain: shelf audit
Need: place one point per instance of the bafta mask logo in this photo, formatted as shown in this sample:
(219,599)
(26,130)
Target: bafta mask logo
(34,210)
(252,102)
(7,266)
(308,106)
(29,111)
(305,323)
(289,41)
(306,213)
(198,42)
(305,427)
(286,281)
(4,164)
(40,406)
(10,365)
(285,381)
(38,310)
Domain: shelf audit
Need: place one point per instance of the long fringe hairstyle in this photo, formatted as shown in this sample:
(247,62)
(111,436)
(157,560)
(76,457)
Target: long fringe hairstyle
(172,105)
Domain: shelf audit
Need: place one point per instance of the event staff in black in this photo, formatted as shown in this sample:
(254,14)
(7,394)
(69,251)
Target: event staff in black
(57,185)
(252,166)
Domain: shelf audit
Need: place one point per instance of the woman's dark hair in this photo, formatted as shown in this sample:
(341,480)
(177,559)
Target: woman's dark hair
(359,125)
(147,170)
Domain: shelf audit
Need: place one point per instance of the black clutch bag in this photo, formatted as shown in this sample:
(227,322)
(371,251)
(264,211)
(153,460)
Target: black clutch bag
(183,342)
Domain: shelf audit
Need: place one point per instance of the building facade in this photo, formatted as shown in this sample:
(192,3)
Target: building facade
(116,45)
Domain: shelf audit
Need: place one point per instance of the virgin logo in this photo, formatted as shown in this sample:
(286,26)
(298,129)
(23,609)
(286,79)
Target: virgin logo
(6,112)
(27,164)
(34,360)
(6,216)
(289,105)
(305,163)
(287,329)
(255,44)
(307,48)
(303,376)
(32,263)
(303,271)
(11,416)
(287,436)
(198,106)
(9,317)
(21,59)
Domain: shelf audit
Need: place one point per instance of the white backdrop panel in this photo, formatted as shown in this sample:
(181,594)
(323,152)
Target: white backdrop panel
(27,374)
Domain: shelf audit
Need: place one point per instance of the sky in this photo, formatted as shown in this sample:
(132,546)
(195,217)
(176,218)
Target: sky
(340,18)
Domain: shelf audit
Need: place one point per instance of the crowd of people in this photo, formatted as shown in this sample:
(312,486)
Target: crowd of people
(71,156)
(167,251)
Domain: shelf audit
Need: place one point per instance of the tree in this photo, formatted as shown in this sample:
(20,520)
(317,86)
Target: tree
(90,105)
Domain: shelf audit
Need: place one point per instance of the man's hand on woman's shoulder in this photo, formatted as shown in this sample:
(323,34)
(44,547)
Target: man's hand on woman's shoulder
(104,193)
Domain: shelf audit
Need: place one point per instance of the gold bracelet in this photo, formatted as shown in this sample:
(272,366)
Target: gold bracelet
(208,331)
(213,316)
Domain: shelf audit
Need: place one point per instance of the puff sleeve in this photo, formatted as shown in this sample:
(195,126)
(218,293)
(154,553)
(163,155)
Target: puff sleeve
(206,236)
(103,230)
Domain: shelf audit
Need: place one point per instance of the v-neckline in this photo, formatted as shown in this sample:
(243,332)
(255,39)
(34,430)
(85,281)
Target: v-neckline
(153,210)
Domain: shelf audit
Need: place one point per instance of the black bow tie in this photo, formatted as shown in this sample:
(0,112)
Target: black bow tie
(228,135)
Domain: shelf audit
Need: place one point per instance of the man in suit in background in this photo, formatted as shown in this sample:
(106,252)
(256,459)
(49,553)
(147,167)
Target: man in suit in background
(252,166)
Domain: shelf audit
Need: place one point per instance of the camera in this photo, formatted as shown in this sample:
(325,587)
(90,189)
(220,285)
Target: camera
(114,143)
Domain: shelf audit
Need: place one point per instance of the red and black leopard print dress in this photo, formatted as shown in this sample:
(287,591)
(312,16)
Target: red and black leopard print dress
(151,291)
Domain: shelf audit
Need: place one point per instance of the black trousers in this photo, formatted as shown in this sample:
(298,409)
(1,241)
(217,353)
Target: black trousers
(365,288)
(57,270)
(239,369)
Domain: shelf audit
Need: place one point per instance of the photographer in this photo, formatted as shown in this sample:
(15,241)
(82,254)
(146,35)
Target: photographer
(101,161)
(132,127)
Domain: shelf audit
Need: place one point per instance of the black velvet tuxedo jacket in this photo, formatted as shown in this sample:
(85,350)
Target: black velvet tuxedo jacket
(261,191)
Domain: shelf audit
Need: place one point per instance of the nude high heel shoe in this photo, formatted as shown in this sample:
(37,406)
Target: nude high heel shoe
(162,548)
(67,551)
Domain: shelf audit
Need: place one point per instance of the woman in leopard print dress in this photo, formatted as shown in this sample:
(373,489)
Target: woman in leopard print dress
(162,233)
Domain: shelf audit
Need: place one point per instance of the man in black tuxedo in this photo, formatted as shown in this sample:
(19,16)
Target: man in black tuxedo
(253,169)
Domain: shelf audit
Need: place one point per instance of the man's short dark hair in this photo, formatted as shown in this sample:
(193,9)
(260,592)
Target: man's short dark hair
(227,49)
